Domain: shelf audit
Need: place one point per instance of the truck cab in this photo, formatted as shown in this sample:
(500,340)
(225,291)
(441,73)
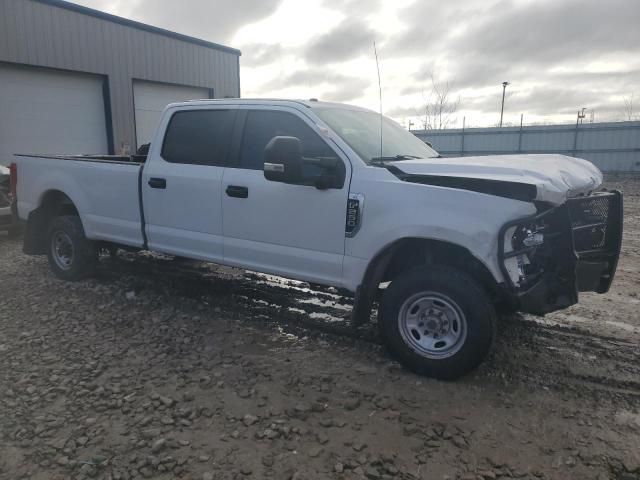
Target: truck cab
(340,196)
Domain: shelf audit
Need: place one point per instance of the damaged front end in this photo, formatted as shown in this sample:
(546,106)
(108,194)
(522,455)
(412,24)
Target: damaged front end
(549,258)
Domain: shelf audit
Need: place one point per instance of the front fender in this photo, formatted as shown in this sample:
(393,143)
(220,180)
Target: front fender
(395,210)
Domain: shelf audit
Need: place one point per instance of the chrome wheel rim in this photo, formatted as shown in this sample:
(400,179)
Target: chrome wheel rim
(432,324)
(62,250)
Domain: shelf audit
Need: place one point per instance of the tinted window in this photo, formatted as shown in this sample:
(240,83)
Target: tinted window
(263,125)
(199,137)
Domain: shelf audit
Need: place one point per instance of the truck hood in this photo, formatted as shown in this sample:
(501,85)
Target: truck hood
(548,178)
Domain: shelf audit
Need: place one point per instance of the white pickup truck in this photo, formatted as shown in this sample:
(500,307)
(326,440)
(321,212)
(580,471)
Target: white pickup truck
(337,195)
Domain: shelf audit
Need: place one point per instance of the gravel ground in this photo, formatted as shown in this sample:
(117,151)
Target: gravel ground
(166,369)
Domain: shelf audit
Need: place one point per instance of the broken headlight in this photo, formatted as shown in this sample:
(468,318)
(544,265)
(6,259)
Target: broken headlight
(520,245)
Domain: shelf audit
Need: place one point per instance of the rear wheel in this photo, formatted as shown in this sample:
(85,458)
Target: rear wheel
(71,255)
(438,321)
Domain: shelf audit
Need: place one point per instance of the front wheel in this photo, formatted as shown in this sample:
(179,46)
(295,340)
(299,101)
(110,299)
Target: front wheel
(438,321)
(71,255)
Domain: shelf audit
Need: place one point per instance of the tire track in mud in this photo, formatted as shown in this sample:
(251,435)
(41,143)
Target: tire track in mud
(530,351)
(288,303)
(553,354)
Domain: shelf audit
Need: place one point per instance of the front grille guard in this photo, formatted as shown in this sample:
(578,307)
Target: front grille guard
(595,222)
(596,226)
(595,231)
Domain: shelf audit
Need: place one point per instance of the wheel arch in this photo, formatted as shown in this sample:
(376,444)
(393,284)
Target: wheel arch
(408,253)
(52,203)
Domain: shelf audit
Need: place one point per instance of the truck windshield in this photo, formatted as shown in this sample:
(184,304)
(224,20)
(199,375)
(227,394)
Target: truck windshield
(360,129)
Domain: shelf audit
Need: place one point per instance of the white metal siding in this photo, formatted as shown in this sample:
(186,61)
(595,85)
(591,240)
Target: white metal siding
(151,98)
(49,111)
(44,34)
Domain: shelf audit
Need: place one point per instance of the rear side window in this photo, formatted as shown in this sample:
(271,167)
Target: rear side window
(198,137)
(262,125)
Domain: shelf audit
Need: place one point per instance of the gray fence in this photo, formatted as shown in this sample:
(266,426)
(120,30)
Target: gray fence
(613,147)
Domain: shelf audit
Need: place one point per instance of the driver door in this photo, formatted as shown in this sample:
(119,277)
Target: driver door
(296,231)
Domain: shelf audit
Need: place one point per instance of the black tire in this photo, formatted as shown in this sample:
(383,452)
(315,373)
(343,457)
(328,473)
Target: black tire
(458,290)
(506,309)
(83,256)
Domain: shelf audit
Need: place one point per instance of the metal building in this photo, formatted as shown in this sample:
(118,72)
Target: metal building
(77,80)
(612,147)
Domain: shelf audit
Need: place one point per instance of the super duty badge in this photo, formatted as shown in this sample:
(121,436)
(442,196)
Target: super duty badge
(354,213)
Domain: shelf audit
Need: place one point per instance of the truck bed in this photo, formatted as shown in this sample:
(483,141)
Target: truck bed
(104,189)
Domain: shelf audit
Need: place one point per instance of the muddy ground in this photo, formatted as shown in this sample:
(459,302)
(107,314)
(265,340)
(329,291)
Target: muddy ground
(163,369)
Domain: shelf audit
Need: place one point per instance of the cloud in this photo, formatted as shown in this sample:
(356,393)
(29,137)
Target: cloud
(260,54)
(348,40)
(306,77)
(547,49)
(430,24)
(353,6)
(215,21)
(559,55)
(401,112)
(545,32)
(525,42)
(321,83)
(539,101)
(347,91)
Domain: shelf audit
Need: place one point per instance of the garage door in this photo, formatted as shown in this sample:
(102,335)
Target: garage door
(151,98)
(47,111)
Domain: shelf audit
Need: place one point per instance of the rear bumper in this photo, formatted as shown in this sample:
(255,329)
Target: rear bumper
(583,238)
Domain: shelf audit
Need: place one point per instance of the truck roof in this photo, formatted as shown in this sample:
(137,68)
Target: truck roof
(311,103)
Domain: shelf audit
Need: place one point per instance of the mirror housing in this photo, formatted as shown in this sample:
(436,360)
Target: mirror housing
(283,160)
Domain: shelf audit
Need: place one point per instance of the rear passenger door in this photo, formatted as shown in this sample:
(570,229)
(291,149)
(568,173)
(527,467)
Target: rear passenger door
(293,230)
(181,183)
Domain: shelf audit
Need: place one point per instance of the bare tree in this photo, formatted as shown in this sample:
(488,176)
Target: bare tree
(628,108)
(439,108)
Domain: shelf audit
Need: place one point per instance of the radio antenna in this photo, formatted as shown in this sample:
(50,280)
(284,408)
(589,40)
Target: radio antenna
(375,51)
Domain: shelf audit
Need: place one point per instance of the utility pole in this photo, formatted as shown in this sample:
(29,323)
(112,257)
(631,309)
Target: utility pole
(579,119)
(504,89)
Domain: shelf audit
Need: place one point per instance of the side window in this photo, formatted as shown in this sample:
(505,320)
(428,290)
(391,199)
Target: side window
(262,125)
(198,137)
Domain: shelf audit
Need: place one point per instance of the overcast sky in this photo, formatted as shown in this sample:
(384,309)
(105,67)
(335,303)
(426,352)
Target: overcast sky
(558,55)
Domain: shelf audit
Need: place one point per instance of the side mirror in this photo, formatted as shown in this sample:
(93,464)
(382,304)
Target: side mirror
(283,160)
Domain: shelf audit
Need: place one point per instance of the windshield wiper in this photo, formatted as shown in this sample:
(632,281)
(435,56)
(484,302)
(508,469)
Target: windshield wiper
(395,158)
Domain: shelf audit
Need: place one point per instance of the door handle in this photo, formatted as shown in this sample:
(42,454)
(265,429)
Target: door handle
(237,191)
(158,183)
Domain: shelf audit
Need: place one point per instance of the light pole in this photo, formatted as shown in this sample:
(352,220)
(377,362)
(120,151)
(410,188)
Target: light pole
(504,89)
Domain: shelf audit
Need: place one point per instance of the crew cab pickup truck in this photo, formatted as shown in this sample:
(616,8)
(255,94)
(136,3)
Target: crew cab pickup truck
(340,196)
